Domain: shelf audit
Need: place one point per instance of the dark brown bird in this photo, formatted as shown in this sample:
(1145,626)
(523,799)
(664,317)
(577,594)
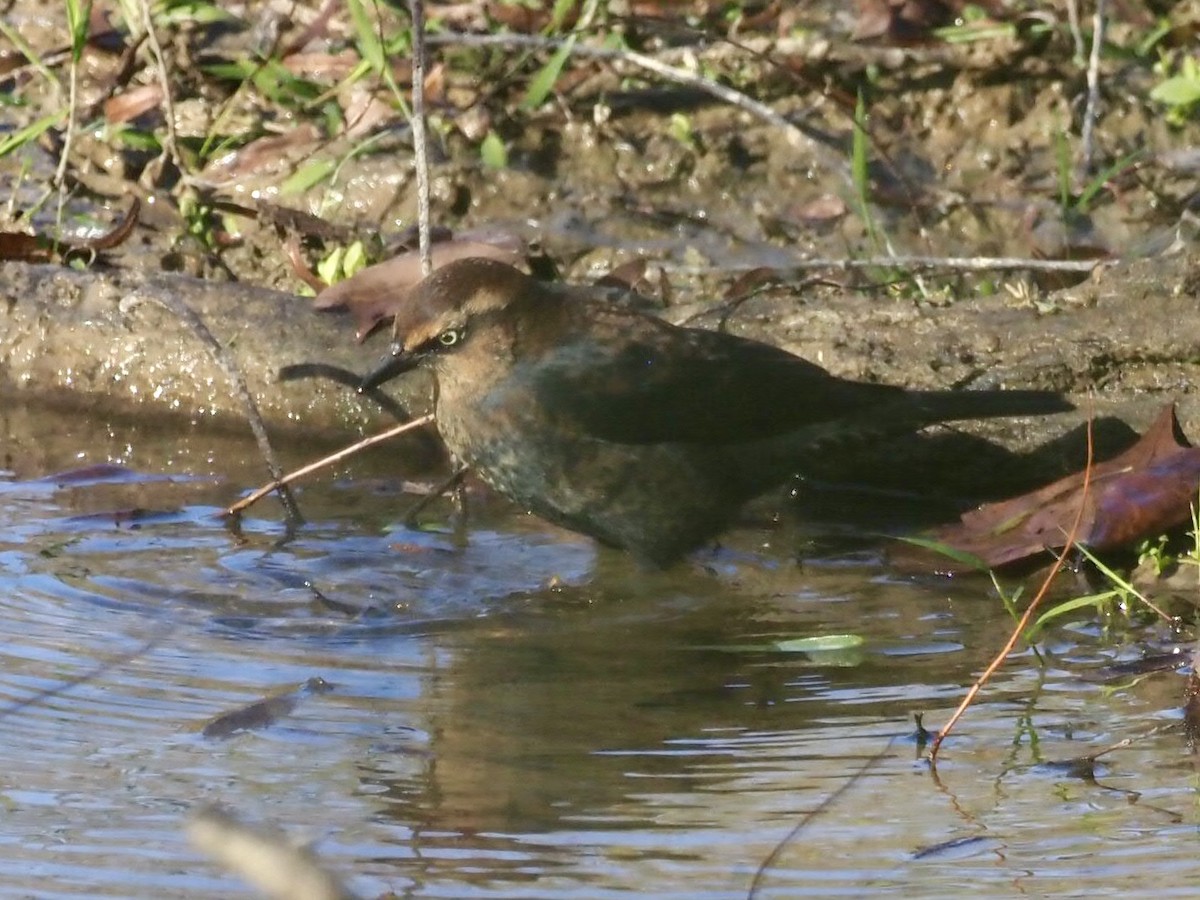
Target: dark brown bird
(643,434)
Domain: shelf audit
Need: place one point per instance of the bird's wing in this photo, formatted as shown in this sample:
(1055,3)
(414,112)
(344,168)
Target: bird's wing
(663,383)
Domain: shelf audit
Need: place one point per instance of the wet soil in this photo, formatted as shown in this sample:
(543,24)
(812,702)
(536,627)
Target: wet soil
(612,175)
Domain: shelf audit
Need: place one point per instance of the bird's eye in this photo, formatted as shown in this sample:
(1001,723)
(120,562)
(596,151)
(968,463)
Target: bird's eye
(451,337)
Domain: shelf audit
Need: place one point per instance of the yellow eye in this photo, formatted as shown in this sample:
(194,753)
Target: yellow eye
(451,337)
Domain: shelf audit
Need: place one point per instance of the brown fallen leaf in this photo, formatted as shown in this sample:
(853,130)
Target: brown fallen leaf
(373,294)
(626,276)
(39,248)
(1145,491)
(128,105)
(34,248)
(902,22)
(274,152)
(899,21)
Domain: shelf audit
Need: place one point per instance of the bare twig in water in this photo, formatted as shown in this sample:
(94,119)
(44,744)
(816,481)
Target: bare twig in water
(266,859)
(765,866)
(90,675)
(1027,616)
(346,378)
(281,481)
(455,479)
(227,363)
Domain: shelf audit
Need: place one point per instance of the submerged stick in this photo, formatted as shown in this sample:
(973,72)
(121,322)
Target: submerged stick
(280,483)
(225,360)
(1027,616)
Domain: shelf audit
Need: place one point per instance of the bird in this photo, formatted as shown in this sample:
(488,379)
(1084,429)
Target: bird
(648,436)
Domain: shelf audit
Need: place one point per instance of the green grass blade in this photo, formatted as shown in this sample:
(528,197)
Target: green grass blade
(30,132)
(543,82)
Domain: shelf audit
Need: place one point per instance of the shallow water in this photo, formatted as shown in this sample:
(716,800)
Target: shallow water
(521,716)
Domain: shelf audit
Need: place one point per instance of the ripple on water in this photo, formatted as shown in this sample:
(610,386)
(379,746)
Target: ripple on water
(524,717)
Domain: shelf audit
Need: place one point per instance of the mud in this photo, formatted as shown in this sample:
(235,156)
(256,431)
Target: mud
(965,143)
(1129,337)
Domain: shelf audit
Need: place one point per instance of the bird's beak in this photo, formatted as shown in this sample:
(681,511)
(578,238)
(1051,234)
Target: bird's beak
(397,362)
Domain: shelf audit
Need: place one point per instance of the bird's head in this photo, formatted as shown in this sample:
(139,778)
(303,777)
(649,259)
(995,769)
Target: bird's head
(440,312)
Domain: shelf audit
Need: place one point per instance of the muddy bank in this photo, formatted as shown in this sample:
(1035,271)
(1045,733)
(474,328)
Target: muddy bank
(964,156)
(115,340)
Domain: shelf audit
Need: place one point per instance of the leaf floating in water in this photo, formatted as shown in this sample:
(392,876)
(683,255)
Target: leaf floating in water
(825,643)
(826,649)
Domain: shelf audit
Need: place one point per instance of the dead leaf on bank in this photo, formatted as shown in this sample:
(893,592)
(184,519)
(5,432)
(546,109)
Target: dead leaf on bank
(324,67)
(1145,491)
(20,247)
(128,105)
(908,21)
(627,276)
(39,248)
(373,294)
(529,18)
(898,20)
(823,209)
(274,152)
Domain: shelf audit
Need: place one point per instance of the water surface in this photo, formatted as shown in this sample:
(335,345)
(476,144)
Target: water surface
(522,716)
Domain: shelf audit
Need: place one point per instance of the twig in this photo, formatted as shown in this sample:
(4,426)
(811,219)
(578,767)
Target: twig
(455,479)
(1017,631)
(1073,26)
(281,481)
(170,146)
(860,773)
(958,263)
(1091,109)
(795,135)
(225,360)
(420,157)
(346,378)
(91,674)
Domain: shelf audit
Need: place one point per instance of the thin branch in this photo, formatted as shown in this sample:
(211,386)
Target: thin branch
(795,135)
(453,481)
(420,156)
(225,360)
(91,674)
(1027,616)
(281,481)
(760,874)
(957,263)
(1073,25)
(170,145)
(1091,109)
